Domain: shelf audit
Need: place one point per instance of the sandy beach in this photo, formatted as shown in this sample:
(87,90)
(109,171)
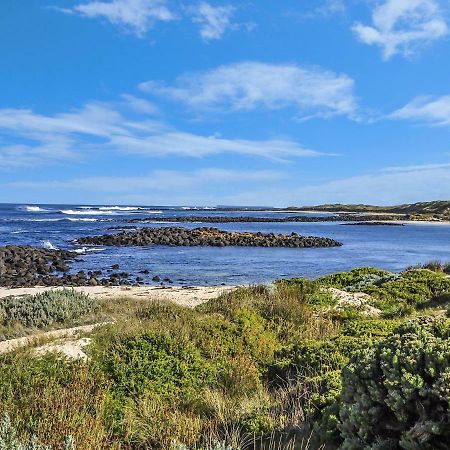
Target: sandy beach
(183,295)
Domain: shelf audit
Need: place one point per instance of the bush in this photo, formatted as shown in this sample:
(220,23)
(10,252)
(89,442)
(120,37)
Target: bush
(396,393)
(52,398)
(156,362)
(396,295)
(343,280)
(435,266)
(41,310)
(415,287)
(9,439)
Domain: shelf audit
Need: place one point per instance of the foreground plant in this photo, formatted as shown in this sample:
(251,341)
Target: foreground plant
(41,310)
(9,439)
(396,393)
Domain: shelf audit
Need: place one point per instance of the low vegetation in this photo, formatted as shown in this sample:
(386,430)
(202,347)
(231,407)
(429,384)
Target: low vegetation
(42,310)
(267,367)
(430,209)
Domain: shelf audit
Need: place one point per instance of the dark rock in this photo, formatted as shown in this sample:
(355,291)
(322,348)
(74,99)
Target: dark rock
(207,236)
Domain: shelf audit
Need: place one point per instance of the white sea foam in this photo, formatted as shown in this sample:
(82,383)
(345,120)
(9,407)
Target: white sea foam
(33,208)
(87,212)
(119,208)
(48,245)
(129,209)
(104,212)
(41,220)
(83,250)
(81,219)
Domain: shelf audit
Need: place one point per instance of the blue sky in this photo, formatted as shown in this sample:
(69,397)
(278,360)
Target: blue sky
(268,102)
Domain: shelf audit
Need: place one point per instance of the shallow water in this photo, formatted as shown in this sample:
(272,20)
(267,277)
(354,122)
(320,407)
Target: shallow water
(56,226)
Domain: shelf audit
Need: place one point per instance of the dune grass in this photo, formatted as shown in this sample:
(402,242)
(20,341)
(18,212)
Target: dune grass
(258,367)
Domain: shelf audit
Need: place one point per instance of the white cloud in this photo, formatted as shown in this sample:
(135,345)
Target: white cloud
(161,180)
(426,109)
(30,138)
(246,86)
(137,16)
(393,185)
(389,186)
(140,105)
(403,26)
(214,21)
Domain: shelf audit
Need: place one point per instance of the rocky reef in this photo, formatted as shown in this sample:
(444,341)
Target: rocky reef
(250,219)
(205,236)
(25,266)
(390,224)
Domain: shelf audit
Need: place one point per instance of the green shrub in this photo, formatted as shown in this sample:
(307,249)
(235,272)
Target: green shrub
(396,295)
(41,310)
(415,287)
(343,280)
(51,397)
(396,393)
(9,439)
(156,362)
(369,327)
(435,266)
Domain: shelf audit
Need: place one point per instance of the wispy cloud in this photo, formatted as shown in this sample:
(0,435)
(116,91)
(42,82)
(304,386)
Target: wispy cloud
(214,21)
(163,180)
(205,186)
(432,110)
(246,86)
(30,138)
(392,185)
(136,16)
(403,26)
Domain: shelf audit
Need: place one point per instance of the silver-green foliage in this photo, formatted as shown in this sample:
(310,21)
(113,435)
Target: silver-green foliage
(9,439)
(41,310)
(396,394)
(215,446)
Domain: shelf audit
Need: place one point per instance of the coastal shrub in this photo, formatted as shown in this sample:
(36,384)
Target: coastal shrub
(284,307)
(415,288)
(52,398)
(9,439)
(157,362)
(47,308)
(396,295)
(435,266)
(395,393)
(365,327)
(343,280)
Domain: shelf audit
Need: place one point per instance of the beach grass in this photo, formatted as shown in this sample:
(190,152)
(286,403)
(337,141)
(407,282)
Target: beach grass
(259,367)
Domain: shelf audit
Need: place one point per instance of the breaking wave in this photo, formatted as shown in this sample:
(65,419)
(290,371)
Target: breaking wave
(48,245)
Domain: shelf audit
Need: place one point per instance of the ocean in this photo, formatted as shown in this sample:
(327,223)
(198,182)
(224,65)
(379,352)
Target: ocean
(57,226)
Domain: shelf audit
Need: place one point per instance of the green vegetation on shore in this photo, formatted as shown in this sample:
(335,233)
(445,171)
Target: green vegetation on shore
(427,209)
(289,365)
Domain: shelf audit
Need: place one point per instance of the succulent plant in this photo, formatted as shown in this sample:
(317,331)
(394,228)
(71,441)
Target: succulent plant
(9,439)
(41,310)
(396,394)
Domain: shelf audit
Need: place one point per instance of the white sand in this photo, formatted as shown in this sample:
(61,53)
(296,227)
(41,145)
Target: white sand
(13,344)
(187,296)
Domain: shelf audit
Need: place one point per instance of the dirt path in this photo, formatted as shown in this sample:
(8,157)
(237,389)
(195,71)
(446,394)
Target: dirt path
(68,344)
(13,344)
(183,295)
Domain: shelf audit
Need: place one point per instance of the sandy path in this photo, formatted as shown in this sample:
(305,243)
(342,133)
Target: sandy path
(186,296)
(13,344)
(183,295)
